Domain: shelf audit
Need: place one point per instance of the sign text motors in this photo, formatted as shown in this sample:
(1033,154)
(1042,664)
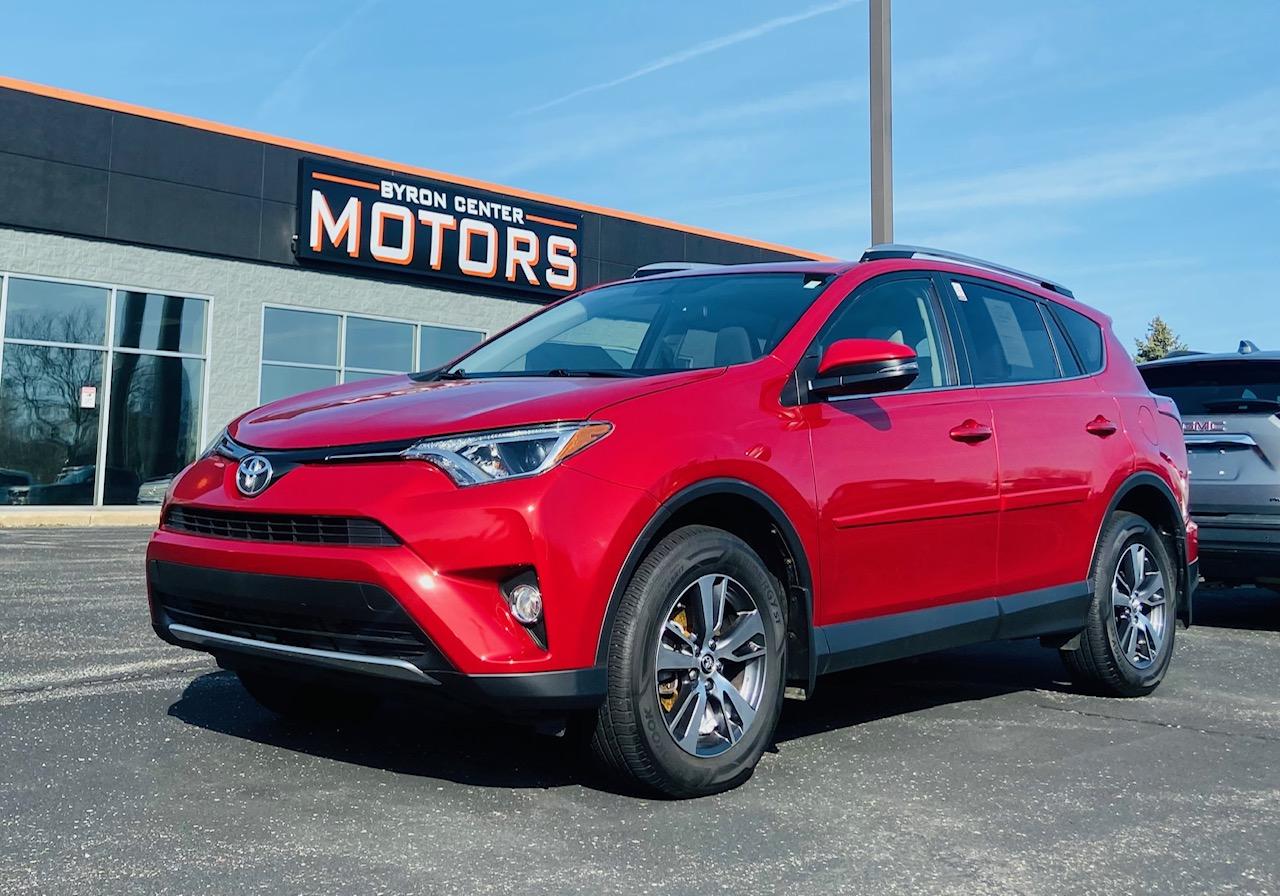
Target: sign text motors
(351,215)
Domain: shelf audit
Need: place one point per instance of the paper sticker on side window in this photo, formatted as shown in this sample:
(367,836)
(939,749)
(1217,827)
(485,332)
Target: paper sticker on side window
(959,291)
(1012,340)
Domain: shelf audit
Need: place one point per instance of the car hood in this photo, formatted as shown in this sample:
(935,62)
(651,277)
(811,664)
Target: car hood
(399,409)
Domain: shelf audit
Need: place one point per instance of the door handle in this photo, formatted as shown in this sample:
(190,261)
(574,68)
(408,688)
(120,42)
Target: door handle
(971,432)
(1100,426)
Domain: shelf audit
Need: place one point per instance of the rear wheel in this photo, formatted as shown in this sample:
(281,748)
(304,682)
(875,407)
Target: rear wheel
(1127,644)
(695,667)
(299,698)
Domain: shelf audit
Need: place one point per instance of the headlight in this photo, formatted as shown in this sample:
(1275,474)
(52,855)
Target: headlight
(507,454)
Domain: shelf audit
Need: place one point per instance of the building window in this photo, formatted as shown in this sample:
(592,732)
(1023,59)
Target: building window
(304,350)
(101,391)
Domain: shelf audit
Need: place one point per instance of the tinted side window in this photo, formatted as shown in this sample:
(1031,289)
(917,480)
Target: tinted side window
(1006,336)
(902,311)
(1085,335)
(1062,345)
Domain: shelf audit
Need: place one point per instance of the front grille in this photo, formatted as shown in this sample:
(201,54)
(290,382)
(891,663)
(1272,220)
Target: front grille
(348,617)
(340,530)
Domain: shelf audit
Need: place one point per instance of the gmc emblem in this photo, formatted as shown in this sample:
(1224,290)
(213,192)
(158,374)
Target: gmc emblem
(1204,426)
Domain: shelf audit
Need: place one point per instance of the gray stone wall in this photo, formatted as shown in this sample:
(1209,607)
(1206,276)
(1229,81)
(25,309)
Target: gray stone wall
(238,290)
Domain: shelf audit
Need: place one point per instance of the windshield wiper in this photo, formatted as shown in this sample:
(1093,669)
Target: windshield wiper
(458,374)
(563,371)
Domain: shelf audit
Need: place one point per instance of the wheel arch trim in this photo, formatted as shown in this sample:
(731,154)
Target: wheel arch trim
(1141,479)
(670,507)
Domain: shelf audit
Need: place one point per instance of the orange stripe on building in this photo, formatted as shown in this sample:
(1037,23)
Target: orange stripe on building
(189,121)
(552,221)
(346,180)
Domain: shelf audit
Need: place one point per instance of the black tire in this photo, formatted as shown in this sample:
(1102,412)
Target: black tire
(631,737)
(1099,663)
(304,699)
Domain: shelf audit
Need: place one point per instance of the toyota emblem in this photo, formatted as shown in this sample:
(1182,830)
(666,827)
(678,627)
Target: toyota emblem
(253,475)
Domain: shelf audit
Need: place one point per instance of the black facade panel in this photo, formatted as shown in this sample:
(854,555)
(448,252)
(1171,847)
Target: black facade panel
(714,251)
(588,271)
(74,168)
(638,244)
(54,130)
(280,174)
(591,234)
(610,271)
(164,151)
(44,195)
(279,220)
(177,216)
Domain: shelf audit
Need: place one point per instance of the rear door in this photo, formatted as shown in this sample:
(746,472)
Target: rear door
(1058,433)
(1231,421)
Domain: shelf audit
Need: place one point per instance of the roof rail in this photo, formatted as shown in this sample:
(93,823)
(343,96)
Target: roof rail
(671,267)
(897,250)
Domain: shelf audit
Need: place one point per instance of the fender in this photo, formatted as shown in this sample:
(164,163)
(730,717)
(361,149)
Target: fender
(802,594)
(1186,587)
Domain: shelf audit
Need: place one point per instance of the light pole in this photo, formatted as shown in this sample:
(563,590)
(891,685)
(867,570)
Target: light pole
(881,125)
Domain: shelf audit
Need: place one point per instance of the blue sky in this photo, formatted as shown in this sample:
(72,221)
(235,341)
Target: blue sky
(1130,150)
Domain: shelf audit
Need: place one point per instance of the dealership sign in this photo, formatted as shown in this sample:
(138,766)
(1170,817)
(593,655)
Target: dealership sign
(430,228)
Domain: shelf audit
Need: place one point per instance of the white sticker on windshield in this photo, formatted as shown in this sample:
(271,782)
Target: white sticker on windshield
(959,291)
(1011,337)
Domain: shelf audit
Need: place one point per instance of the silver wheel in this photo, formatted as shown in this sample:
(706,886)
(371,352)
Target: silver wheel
(711,657)
(1138,606)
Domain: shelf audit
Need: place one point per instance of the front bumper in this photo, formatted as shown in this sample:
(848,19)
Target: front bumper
(426,608)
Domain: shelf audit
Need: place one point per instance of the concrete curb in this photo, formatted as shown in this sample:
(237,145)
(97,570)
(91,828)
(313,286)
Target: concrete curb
(23,518)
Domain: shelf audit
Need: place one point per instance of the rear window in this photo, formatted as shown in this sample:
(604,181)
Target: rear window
(1218,387)
(1085,335)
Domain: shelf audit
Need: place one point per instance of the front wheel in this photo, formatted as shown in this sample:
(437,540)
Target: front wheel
(1127,644)
(695,667)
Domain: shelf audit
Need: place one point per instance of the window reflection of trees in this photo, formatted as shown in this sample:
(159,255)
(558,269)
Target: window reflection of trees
(44,428)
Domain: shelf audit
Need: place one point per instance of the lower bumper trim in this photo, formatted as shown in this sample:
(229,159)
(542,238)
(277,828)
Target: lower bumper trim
(329,659)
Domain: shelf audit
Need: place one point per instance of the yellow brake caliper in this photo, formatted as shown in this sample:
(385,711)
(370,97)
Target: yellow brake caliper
(668,690)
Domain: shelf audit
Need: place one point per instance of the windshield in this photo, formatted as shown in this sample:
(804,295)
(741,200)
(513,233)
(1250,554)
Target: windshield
(1218,387)
(644,327)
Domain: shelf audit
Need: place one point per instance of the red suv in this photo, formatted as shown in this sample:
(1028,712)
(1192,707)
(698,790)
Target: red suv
(664,503)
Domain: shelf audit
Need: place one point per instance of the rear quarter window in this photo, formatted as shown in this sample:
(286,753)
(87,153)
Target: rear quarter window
(1085,335)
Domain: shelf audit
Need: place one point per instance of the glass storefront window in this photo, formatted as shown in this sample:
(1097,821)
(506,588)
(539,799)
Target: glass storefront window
(378,345)
(300,337)
(160,323)
(66,436)
(49,424)
(153,429)
(303,350)
(56,312)
(441,344)
(281,382)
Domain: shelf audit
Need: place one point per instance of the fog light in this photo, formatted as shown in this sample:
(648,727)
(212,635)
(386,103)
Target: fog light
(526,603)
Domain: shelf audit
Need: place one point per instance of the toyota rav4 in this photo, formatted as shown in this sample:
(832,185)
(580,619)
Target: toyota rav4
(664,504)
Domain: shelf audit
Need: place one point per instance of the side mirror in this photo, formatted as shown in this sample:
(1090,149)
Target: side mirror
(864,367)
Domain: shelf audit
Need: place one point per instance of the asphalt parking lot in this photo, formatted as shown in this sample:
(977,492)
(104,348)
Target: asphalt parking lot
(128,766)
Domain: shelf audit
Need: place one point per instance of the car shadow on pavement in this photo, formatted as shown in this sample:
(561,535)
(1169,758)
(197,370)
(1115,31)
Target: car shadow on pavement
(433,739)
(422,738)
(1253,609)
(899,688)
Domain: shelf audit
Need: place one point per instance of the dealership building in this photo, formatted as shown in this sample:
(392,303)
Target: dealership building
(160,275)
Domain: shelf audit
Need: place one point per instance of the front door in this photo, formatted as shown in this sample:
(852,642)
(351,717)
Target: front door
(906,481)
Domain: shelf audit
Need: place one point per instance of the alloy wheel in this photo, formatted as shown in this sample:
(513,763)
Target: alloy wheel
(1139,606)
(711,665)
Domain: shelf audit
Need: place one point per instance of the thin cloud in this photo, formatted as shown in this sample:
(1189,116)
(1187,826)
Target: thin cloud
(293,86)
(702,49)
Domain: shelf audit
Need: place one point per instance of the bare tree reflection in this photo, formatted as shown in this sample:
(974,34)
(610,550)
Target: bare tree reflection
(43,428)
